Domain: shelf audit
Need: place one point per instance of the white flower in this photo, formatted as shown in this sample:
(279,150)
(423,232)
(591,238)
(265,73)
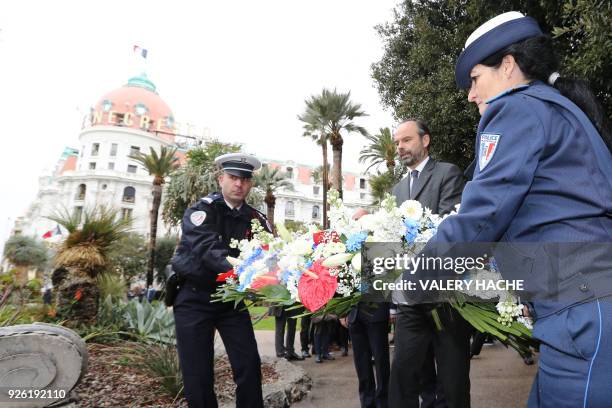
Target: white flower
(411,209)
(367,222)
(300,247)
(326,250)
(233,261)
(337,260)
(356,262)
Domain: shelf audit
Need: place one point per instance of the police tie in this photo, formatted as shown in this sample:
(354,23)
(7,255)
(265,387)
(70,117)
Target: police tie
(414,175)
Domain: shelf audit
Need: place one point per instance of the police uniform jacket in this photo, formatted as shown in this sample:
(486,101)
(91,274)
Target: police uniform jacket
(543,175)
(207,230)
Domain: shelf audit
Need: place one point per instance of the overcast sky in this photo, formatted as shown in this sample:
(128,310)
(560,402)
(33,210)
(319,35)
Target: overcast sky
(240,68)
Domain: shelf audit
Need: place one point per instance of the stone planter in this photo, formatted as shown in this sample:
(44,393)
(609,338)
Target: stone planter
(292,386)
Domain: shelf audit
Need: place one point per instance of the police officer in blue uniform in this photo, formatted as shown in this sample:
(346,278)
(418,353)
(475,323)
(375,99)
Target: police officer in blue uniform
(543,187)
(207,229)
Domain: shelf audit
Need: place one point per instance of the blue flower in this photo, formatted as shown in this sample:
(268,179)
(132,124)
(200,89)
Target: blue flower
(287,273)
(355,241)
(412,230)
(309,264)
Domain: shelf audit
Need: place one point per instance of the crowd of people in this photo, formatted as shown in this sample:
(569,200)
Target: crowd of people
(542,173)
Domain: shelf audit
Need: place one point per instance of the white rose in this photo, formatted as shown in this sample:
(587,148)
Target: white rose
(412,209)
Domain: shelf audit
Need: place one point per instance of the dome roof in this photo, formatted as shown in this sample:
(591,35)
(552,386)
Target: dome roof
(136,105)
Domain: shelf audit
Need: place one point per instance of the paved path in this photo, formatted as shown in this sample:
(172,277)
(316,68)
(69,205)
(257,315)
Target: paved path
(499,378)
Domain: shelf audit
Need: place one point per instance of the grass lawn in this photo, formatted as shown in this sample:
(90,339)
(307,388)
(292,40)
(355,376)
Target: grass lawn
(268,322)
(265,324)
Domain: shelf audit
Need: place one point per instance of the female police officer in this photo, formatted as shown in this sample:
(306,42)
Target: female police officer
(543,177)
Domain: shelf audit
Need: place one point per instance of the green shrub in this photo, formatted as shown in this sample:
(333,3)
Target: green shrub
(152,321)
(161,361)
(112,285)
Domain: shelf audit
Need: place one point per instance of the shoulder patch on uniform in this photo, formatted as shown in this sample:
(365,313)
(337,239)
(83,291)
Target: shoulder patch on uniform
(197,218)
(486,150)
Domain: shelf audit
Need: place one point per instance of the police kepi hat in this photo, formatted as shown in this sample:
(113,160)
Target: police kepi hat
(238,164)
(494,35)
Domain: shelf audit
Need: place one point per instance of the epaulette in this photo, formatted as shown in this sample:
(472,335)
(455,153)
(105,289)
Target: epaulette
(212,197)
(507,92)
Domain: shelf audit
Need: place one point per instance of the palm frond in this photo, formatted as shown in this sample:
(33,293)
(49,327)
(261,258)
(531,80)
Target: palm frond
(158,165)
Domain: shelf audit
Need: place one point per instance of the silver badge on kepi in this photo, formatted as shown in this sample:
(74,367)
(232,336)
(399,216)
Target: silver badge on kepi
(197,218)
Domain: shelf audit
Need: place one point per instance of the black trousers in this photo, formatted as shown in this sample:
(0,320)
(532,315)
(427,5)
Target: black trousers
(322,336)
(196,319)
(415,332)
(432,394)
(285,319)
(371,340)
(305,337)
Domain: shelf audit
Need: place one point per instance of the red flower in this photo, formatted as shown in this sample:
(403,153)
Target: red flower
(265,247)
(265,280)
(222,277)
(325,237)
(316,286)
(78,294)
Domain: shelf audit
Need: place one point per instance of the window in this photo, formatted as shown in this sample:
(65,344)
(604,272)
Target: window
(78,213)
(95,149)
(81,190)
(111,166)
(141,109)
(107,105)
(113,151)
(362,196)
(104,186)
(315,212)
(362,184)
(126,213)
(92,166)
(289,172)
(129,195)
(289,209)
(134,150)
(131,168)
(315,190)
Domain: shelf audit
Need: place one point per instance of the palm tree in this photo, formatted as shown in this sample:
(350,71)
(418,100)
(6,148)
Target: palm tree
(313,129)
(333,113)
(25,253)
(380,184)
(159,166)
(380,150)
(270,180)
(82,257)
(317,176)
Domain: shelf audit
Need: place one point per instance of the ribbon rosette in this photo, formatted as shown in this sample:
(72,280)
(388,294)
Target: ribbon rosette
(316,286)
(222,277)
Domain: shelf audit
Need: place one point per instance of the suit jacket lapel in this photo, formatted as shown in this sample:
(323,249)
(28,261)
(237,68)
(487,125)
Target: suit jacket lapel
(423,178)
(404,192)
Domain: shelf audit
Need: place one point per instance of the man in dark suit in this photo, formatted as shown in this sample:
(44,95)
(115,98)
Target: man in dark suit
(368,326)
(437,186)
(282,318)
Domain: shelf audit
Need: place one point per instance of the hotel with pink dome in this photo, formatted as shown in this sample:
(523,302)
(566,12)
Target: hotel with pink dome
(134,118)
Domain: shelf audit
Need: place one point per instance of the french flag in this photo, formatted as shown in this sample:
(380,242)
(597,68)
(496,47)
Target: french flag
(140,51)
(51,233)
